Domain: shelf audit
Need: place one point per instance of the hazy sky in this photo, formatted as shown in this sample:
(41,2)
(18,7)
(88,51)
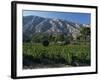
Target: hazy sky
(83,18)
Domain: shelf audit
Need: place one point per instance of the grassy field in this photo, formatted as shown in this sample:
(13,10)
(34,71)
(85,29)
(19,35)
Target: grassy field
(38,56)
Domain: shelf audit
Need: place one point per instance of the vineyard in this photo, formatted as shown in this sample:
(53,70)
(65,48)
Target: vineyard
(38,56)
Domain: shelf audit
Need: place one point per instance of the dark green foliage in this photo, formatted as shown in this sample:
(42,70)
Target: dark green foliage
(40,37)
(45,43)
(60,37)
(85,33)
(72,55)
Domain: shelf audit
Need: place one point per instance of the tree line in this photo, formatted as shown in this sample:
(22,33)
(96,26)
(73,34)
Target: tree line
(67,39)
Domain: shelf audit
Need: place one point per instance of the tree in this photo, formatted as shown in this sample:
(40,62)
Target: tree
(79,37)
(61,37)
(45,43)
(50,38)
(85,33)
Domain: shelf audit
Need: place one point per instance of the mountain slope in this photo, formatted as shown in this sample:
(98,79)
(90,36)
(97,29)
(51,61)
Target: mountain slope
(33,25)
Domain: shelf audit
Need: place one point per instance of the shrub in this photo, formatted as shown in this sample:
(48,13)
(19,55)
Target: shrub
(45,43)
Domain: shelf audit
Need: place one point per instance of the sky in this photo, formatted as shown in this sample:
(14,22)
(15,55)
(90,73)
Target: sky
(82,18)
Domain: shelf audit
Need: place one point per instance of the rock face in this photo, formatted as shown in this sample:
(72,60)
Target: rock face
(33,25)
